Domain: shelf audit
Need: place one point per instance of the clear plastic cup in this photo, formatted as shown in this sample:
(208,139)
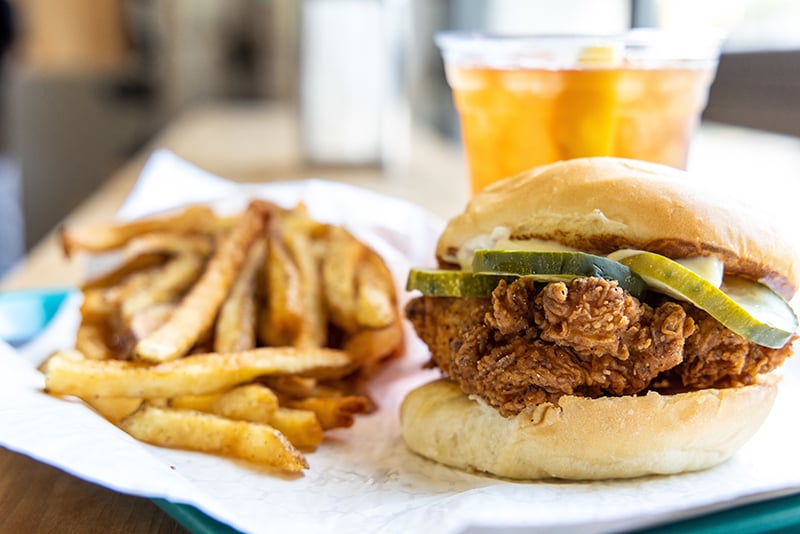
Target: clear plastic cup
(525,101)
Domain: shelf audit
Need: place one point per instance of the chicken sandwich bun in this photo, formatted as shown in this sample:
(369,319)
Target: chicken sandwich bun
(600,318)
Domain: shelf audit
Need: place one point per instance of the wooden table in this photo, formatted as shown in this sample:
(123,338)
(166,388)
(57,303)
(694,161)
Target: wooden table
(260,143)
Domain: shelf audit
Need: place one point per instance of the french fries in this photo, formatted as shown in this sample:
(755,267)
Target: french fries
(115,409)
(296,230)
(245,336)
(339,265)
(91,341)
(333,412)
(70,373)
(236,324)
(187,429)
(375,304)
(301,427)
(194,219)
(252,402)
(281,318)
(198,309)
(164,284)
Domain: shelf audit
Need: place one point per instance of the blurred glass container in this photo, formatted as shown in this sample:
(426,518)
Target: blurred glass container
(354,106)
(341,82)
(524,101)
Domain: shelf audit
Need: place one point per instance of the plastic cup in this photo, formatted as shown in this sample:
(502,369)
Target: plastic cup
(524,101)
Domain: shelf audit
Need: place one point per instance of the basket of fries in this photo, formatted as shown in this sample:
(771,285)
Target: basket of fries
(247,336)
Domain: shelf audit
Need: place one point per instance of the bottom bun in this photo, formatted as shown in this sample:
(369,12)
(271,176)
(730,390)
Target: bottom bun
(585,439)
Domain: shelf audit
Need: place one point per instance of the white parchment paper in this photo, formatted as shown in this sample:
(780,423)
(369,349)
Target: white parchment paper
(362,479)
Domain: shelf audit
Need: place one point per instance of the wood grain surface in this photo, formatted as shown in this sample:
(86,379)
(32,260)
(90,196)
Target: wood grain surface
(35,497)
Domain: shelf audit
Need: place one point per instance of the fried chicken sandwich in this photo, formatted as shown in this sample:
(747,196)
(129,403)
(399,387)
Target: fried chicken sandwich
(600,318)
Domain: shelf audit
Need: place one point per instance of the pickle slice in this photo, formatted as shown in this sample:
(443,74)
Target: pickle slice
(558,266)
(442,283)
(748,308)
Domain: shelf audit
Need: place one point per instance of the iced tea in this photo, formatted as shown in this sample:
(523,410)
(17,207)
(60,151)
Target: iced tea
(515,116)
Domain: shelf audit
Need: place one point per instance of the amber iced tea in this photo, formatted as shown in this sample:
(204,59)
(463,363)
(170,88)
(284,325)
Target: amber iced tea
(522,107)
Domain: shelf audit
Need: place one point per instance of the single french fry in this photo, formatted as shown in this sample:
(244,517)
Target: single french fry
(369,347)
(164,284)
(114,408)
(194,219)
(200,403)
(236,322)
(334,412)
(98,305)
(280,321)
(376,303)
(296,232)
(125,269)
(291,386)
(167,242)
(91,341)
(70,373)
(339,263)
(186,429)
(198,309)
(251,402)
(301,427)
(146,321)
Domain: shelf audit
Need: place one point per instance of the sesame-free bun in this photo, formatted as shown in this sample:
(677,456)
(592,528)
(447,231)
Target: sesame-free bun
(582,438)
(599,205)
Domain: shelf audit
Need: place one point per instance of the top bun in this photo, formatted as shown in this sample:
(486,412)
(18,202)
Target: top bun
(600,205)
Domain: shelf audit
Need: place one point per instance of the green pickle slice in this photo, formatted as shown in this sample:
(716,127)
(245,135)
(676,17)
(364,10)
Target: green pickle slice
(442,283)
(748,308)
(558,266)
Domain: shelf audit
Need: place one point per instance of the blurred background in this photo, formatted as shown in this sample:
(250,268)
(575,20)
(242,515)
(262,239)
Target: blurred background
(86,84)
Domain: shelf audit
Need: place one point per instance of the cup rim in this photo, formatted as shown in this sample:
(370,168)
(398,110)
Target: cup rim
(634,45)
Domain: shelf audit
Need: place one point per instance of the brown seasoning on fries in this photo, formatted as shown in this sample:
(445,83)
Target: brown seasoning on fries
(245,336)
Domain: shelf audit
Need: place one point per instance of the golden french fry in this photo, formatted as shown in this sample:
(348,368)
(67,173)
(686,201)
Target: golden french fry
(186,429)
(376,305)
(297,236)
(99,304)
(200,403)
(194,219)
(163,284)
(236,322)
(114,408)
(281,319)
(369,347)
(334,412)
(296,232)
(292,386)
(91,341)
(301,427)
(103,303)
(126,268)
(167,242)
(149,319)
(339,262)
(142,324)
(70,373)
(198,309)
(252,402)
